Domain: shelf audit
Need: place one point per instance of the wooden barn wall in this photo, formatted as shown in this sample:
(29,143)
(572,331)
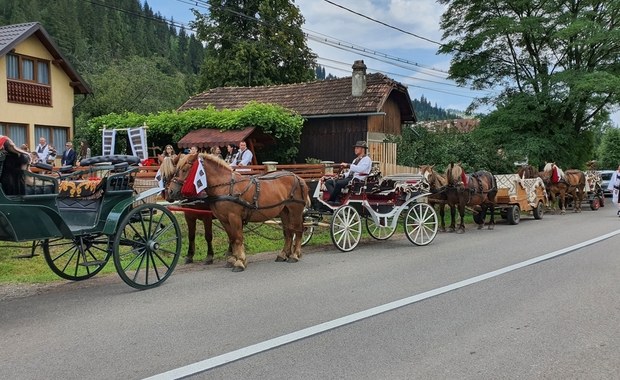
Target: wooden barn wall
(331,139)
(390,123)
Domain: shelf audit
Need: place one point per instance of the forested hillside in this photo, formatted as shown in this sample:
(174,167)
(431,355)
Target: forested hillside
(133,59)
(426,111)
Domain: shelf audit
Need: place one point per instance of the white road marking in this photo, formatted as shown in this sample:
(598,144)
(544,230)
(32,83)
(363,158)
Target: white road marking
(245,352)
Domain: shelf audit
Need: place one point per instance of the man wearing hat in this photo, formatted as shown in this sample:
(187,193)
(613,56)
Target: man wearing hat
(358,170)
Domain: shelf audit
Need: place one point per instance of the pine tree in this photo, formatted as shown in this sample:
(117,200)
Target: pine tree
(253,42)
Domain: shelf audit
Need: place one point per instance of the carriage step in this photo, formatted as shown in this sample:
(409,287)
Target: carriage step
(94,263)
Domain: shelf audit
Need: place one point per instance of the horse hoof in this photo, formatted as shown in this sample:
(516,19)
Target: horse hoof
(459,231)
(229,263)
(208,261)
(238,269)
(451,230)
(491,227)
(292,259)
(280,259)
(442,230)
(480,226)
(189,260)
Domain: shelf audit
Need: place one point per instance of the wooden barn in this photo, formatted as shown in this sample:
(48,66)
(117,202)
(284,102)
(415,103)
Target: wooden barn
(338,112)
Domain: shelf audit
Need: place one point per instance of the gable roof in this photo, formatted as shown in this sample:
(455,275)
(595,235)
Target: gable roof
(13,35)
(312,99)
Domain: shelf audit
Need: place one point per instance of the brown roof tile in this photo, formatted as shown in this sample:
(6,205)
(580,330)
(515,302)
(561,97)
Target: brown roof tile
(317,98)
(206,137)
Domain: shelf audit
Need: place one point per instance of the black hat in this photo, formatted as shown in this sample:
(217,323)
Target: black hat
(361,144)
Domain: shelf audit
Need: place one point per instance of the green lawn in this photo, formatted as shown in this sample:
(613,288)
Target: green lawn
(258,238)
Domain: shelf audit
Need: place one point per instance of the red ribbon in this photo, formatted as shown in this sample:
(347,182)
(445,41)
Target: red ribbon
(189,190)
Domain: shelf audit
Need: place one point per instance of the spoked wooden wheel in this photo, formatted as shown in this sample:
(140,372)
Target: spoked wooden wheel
(381,231)
(79,258)
(346,228)
(147,246)
(309,222)
(421,224)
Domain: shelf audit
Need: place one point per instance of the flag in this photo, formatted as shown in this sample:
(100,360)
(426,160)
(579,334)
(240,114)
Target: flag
(200,179)
(159,178)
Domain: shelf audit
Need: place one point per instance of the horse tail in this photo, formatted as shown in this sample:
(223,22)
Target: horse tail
(305,192)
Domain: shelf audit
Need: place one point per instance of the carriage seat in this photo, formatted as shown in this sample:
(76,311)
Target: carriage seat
(89,188)
(368,185)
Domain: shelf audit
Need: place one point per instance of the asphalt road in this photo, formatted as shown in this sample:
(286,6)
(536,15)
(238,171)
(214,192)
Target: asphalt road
(553,319)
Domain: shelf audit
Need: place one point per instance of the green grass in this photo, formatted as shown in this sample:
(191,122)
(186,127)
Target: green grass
(258,238)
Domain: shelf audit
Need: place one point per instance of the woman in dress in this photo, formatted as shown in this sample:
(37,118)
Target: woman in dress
(83,152)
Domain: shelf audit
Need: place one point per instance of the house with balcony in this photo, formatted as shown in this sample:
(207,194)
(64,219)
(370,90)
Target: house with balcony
(37,87)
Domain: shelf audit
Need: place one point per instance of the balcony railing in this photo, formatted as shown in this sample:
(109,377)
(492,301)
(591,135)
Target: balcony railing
(29,93)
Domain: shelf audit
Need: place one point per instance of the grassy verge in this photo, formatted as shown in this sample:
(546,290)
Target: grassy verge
(258,238)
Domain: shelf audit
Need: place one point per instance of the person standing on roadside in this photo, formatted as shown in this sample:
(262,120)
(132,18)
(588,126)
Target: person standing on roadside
(43,150)
(614,186)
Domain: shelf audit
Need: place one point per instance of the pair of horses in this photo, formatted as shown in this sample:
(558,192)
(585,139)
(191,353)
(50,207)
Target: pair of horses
(235,200)
(559,183)
(460,190)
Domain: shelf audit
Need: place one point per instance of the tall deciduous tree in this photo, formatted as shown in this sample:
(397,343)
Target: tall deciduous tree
(556,62)
(252,43)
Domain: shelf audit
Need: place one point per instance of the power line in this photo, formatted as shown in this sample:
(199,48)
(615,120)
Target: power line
(382,23)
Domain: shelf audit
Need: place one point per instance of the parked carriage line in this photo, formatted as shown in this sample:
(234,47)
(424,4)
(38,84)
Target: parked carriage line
(85,217)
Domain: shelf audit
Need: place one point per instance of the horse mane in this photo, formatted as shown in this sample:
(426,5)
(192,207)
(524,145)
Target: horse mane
(527,171)
(434,178)
(167,167)
(453,173)
(548,166)
(216,161)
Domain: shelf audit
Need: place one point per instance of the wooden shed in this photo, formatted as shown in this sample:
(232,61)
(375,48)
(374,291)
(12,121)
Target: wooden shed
(338,112)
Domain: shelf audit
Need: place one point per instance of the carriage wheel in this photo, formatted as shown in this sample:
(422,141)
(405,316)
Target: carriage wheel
(595,203)
(346,228)
(421,224)
(79,258)
(307,235)
(514,214)
(382,231)
(147,246)
(539,211)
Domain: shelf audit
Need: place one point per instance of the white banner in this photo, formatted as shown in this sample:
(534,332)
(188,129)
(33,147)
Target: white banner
(137,140)
(107,141)
(200,180)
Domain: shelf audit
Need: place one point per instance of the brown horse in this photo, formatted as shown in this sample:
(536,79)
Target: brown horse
(559,182)
(528,171)
(477,189)
(235,200)
(438,186)
(167,168)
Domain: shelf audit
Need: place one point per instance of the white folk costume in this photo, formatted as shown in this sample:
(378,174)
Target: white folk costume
(614,186)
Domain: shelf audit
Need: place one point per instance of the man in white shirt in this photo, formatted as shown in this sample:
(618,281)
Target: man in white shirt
(244,157)
(358,170)
(43,150)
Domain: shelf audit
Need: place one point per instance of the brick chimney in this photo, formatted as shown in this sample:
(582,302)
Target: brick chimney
(359,78)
